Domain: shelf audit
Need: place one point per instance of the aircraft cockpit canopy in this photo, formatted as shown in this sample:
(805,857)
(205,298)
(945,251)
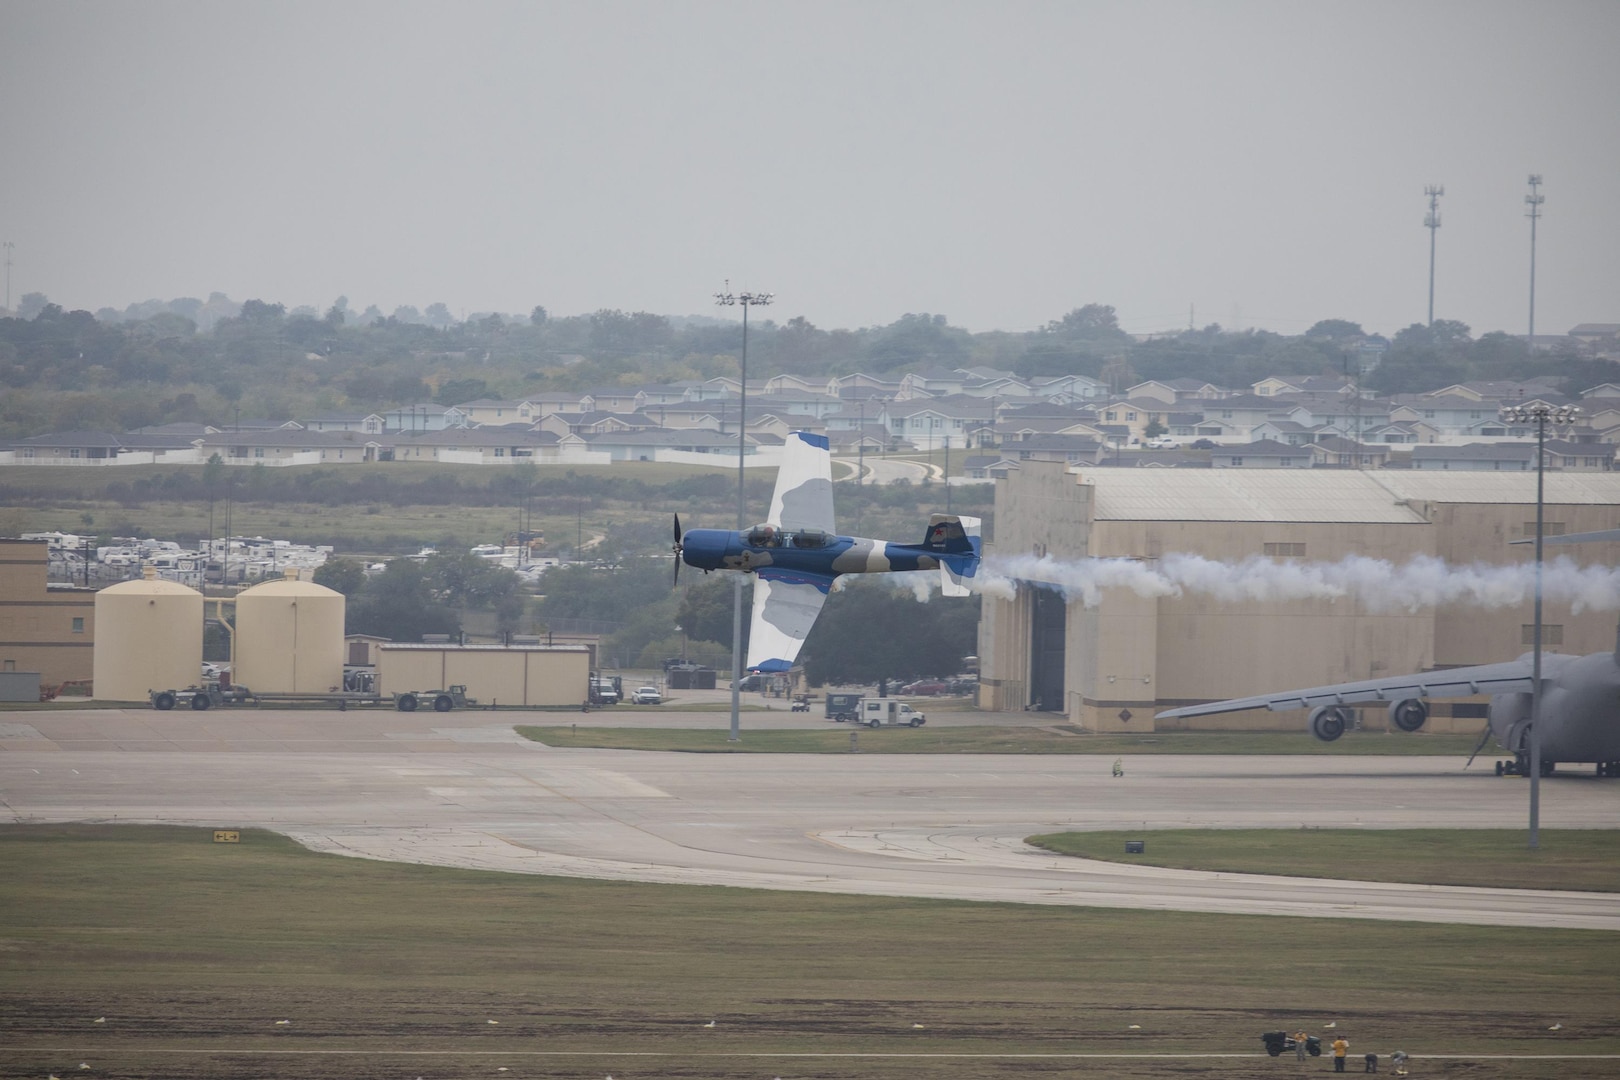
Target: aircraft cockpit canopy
(764,536)
(769,536)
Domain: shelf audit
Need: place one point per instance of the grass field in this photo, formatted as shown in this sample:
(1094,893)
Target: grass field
(191,951)
(1576,859)
(835,739)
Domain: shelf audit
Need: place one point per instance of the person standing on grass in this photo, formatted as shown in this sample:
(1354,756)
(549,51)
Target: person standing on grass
(1341,1047)
(1300,1041)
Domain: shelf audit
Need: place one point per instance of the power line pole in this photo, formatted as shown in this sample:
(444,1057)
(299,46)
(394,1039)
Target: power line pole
(747,300)
(1431,221)
(1534,201)
(8,246)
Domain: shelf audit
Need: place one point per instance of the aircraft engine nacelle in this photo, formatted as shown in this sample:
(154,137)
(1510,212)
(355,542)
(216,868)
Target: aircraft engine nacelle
(1408,715)
(1327,722)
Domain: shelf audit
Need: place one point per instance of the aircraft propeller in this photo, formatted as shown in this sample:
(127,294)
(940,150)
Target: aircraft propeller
(677,578)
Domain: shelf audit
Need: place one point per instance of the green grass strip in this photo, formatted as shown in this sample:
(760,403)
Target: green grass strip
(1575,859)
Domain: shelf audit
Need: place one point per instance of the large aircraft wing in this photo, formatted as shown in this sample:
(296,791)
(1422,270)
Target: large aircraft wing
(785,608)
(804,494)
(1573,538)
(1512,676)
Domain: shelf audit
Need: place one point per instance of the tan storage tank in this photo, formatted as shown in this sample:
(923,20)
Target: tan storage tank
(149,636)
(289,638)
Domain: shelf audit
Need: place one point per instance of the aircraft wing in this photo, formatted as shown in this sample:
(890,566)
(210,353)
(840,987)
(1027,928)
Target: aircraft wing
(1505,678)
(804,494)
(1573,538)
(785,608)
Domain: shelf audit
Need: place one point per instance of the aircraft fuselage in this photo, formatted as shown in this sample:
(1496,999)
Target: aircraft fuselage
(806,552)
(1580,709)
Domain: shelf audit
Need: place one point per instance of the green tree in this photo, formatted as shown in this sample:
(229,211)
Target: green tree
(341,575)
(399,604)
(1339,331)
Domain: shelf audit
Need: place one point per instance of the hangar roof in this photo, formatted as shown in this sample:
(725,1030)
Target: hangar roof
(1572,488)
(1244,495)
(1370,496)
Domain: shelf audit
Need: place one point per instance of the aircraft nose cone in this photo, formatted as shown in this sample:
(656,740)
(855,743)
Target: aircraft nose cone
(704,549)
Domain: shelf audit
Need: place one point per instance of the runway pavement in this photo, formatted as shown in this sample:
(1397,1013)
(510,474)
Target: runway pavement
(462,789)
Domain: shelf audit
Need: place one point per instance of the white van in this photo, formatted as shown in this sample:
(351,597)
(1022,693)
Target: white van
(886,712)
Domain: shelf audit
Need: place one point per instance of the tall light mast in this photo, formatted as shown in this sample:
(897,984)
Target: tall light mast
(747,300)
(1431,221)
(1533,201)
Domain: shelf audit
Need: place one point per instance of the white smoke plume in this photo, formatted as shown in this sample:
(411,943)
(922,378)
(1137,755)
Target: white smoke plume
(1377,584)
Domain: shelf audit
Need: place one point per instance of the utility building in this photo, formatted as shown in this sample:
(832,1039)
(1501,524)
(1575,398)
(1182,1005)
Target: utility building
(1108,657)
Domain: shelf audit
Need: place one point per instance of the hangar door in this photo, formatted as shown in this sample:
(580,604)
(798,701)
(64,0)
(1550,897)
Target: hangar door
(1047,644)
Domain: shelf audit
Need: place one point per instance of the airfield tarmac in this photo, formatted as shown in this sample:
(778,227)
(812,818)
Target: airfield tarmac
(463,789)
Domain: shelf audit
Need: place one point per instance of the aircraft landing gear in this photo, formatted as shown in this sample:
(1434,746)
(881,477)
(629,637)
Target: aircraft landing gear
(1520,766)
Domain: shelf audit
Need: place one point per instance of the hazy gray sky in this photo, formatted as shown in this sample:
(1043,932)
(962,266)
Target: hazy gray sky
(998,163)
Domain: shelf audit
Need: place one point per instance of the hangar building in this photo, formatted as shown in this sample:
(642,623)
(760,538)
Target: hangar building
(1110,664)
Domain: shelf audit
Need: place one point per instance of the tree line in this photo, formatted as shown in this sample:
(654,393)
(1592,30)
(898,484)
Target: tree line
(188,360)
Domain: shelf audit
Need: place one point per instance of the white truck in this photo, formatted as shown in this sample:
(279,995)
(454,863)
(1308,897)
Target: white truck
(887,712)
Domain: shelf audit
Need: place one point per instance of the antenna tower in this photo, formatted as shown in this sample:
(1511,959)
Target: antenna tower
(1431,221)
(1533,201)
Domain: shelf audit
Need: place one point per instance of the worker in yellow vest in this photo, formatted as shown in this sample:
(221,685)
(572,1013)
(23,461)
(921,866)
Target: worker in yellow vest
(1341,1047)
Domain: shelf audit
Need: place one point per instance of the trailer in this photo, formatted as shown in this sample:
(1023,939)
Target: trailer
(212,695)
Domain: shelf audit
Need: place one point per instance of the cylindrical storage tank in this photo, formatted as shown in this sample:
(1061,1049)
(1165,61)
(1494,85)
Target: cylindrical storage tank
(149,636)
(289,638)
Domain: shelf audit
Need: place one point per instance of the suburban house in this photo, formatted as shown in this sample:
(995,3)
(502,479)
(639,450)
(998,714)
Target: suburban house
(1265,454)
(423,416)
(369,423)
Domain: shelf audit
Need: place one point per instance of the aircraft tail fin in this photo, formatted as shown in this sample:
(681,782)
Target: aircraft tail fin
(957,542)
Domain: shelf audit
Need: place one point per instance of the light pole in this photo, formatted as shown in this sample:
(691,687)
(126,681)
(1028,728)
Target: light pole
(1540,415)
(747,300)
(8,245)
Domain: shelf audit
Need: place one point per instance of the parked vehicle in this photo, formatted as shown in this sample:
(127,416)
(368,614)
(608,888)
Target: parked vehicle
(1203,444)
(1163,442)
(887,712)
(454,697)
(646,695)
(801,704)
(926,687)
(1280,1042)
(606,690)
(842,707)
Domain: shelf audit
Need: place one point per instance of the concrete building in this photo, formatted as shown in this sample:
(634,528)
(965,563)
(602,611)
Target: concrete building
(1109,664)
(48,630)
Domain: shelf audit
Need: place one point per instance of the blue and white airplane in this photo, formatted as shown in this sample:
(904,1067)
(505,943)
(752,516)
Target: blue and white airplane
(795,555)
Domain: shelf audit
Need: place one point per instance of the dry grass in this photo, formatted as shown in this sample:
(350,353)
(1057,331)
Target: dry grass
(191,949)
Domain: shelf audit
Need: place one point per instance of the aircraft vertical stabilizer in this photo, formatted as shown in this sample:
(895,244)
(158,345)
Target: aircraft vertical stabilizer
(959,546)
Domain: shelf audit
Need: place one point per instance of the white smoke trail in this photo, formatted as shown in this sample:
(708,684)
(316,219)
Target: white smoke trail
(1379,585)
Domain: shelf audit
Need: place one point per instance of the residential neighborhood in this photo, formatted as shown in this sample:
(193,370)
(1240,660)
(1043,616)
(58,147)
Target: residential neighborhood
(994,417)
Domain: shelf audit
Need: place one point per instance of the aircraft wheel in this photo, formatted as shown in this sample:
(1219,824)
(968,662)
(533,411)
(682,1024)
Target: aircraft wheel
(407,703)
(1548,767)
(1499,769)
(442,703)
(200,702)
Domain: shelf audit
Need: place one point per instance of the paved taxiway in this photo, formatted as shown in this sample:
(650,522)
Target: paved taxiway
(461,789)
